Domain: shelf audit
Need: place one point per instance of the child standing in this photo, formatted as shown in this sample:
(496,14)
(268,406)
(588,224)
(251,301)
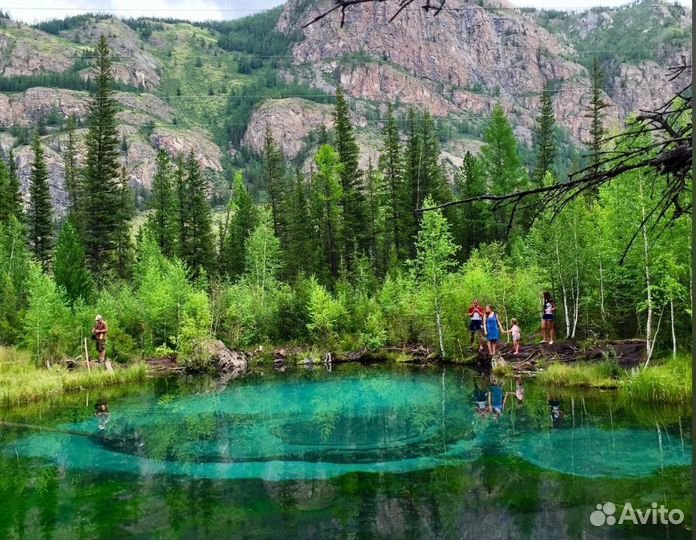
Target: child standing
(516,336)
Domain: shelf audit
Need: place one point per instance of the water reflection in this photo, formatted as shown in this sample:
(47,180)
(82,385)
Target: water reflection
(365,453)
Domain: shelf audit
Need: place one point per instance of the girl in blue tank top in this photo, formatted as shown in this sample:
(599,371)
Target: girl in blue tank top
(493,328)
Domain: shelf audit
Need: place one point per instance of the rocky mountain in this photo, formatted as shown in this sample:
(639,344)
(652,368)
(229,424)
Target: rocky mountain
(212,88)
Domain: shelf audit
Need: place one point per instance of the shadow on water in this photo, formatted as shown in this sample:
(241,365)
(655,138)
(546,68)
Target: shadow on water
(360,451)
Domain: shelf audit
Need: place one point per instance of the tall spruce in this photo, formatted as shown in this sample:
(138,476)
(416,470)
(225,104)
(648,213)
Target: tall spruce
(13,192)
(162,221)
(597,114)
(40,215)
(301,253)
(502,165)
(71,167)
(544,135)
(182,208)
(353,199)
(274,175)
(413,178)
(243,219)
(69,267)
(474,220)
(199,248)
(376,193)
(5,211)
(123,261)
(392,167)
(327,194)
(434,181)
(99,193)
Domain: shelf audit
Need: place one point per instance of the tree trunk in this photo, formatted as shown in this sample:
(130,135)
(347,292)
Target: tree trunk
(601,291)
(674,334)
(438,323)
(563,289)
(649,340)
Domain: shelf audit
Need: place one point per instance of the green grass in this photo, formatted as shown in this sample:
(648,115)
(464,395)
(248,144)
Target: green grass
(599,375)
(670,381)
(21,381)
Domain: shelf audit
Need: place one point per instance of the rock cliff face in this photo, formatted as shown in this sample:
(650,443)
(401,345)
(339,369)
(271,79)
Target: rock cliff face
(466,59)
(456,65)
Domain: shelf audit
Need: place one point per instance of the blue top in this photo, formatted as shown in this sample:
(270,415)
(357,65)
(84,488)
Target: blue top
(492,326)
(497,397)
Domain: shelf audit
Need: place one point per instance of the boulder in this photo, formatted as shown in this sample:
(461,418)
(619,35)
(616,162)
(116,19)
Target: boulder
(226,360)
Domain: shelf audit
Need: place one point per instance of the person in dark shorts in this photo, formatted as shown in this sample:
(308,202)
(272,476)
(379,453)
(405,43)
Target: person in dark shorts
(476,323)
(99,332)
(548,311)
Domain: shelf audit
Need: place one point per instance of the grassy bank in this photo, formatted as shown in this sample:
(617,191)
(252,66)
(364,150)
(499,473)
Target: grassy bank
(667,381)
(21,381)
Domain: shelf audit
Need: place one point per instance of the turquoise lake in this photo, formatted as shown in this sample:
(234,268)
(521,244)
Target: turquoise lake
(389,451)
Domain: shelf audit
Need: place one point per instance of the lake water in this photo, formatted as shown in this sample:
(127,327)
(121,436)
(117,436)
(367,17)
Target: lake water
(356,452)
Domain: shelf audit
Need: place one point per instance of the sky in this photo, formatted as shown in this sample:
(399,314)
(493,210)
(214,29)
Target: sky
(39,10)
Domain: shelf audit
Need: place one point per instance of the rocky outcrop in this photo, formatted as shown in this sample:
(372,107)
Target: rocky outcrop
(31,52)
(224,359)
(132,64)
(181,142)
(466,59)
(290,121)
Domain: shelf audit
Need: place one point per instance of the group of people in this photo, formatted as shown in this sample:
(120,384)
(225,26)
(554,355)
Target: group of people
(485,323)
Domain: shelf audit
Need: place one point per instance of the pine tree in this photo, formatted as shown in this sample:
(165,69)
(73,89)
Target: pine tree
(434,182)
(162,222)
(391,166)
(99,193)
(40,215)
(71,171)
(199,252)
(413,176)
(182,210)
(501,163)
(241,224)
(545,144)
(353,199)
(474,220)
(376,193)
(274,175)
(327,194)
(597,114)
(13,193)
(124,243)
(69,268)
(301,254)
(4,193)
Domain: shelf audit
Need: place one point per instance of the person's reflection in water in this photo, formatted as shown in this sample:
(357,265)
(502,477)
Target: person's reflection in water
(480,400)
(555,410)
(496,399)
(101,411)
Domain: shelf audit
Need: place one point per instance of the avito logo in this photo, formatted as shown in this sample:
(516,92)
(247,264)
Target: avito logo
(605,514)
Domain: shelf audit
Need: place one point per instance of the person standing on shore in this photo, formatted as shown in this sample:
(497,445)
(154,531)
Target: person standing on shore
(99,332)
(492,327)
(548,311)
(476,323)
